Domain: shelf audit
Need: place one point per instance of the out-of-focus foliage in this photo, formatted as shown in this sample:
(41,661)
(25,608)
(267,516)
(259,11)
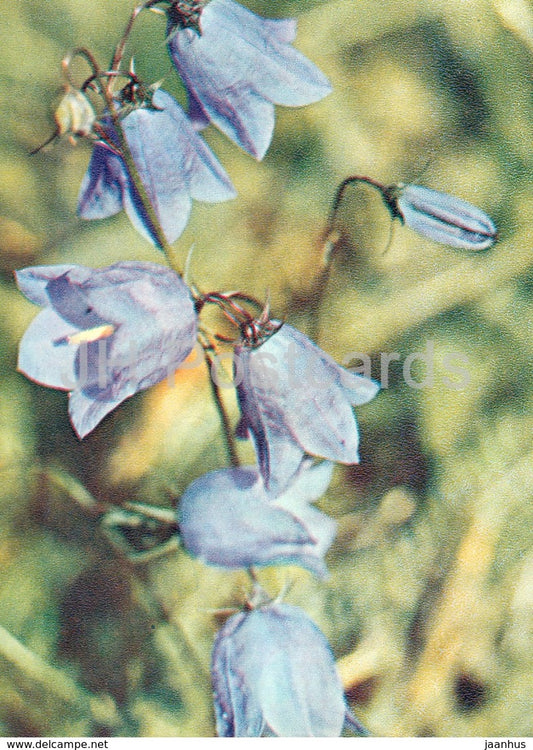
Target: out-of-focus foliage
(429,603)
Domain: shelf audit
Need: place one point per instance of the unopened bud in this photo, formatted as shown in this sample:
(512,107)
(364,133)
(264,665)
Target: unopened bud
(75,114)
(444,218)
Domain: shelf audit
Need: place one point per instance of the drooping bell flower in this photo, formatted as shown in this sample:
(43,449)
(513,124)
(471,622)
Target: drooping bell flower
(274,675)
(174,163)
(295,399)
(227,518)
(237,66)
(104,333)
(444,218)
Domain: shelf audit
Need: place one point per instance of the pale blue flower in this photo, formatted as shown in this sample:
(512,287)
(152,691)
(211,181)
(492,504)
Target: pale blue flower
(444,218)
(238,67)
(295,399)
(274,674)
(174,164)
(227,518)
(105,333)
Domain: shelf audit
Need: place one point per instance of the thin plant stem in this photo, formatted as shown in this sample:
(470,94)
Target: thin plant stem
(31,671)
(216,392)
(329,245)
(125,152)
(77,492)
(252,573)
(121,46)
(341,190)
(89,58)
(331,239)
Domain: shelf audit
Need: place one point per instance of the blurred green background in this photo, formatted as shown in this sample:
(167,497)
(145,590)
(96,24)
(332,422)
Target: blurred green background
(429,604)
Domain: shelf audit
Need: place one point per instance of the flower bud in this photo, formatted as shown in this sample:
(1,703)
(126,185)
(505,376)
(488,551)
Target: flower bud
(75,114)
(444,218)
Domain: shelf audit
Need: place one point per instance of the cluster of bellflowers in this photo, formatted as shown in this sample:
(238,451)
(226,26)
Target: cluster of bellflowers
(105,334)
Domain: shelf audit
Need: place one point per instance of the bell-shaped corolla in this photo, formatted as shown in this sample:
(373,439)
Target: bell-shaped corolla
(237,66)
(295,399)
(105,333)
(443,218)
(174,164)
(227,518)
(274,675)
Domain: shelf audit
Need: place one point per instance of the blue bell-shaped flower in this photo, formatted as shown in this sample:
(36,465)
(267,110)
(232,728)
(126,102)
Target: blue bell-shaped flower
(237,66)
(274,674)
(105,333)
(228,518)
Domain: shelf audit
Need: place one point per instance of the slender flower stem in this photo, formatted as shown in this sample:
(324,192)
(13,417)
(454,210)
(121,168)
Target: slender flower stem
(331,240)
(77,492)
(329,244)
(36,677)
(252,573)
(88,57)
(125,152)
(121,46)
(385,191)
(119,50)
(221,408)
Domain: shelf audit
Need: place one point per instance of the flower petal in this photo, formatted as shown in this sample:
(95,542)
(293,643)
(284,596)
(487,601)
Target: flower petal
(44,356)
(266,59)
(359,389)
(253,27)
(70,300)
(195,112)
(226,519)
(311,482)
(237,110)
(103,185)
(299,698)
(108,332)
(276,660)
(294,397)
(33,281)
(446,219)
(237,712)
(86,412)
(173,163)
